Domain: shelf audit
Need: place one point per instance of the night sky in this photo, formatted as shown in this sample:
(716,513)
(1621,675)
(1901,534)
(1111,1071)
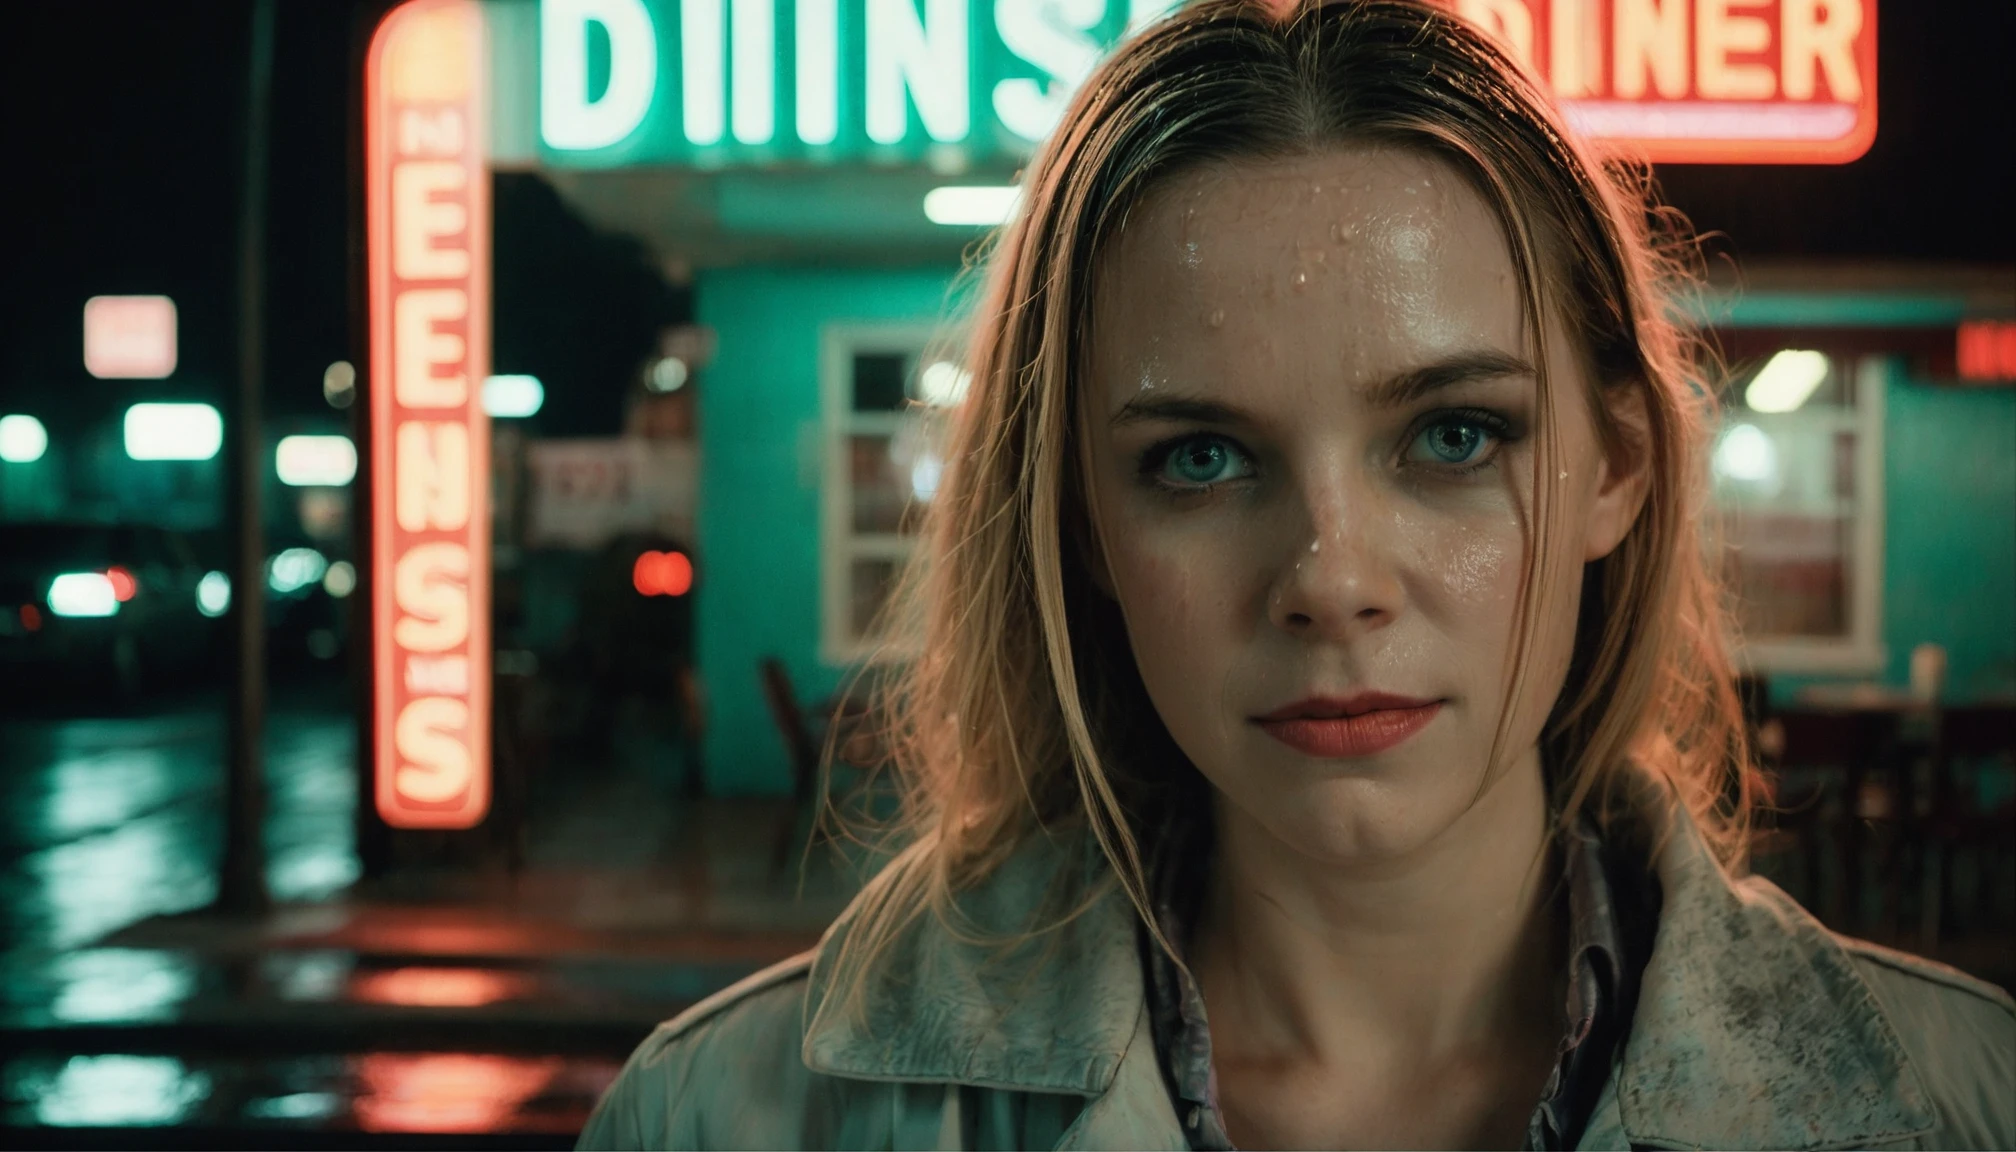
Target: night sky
(127,122)
(125,135)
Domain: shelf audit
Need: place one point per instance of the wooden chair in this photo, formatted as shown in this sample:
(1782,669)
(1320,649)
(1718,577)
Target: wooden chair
(803,746)
(1958,822)
(1850,755)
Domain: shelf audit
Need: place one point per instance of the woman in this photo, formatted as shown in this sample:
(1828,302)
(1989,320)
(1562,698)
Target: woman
(1324,734)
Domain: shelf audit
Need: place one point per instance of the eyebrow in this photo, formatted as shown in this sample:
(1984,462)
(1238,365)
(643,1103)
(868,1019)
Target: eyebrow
(1392,392)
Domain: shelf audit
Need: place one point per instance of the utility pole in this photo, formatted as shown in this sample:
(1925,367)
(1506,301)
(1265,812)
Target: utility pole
(242,886)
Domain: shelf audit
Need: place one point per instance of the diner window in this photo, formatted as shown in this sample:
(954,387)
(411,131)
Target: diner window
(1797,471)
(884,398)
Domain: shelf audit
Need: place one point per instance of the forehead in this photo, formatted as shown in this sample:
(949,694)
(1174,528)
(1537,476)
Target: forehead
(1359,261)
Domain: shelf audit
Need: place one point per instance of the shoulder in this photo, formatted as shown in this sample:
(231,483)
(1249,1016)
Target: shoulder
(1960,1034)
(739,1051)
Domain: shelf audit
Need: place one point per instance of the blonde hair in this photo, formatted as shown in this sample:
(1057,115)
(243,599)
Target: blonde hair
(1022,709)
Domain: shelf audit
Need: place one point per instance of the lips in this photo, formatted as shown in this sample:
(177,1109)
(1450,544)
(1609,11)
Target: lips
(1364,724)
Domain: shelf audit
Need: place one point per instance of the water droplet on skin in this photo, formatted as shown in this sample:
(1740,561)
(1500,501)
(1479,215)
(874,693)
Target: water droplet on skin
(1564,474)
(1301,279)
(1336,232)
(1217,318)
(1315,544)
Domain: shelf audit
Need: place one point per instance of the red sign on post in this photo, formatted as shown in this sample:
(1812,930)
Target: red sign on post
(1702,81)
(429,235)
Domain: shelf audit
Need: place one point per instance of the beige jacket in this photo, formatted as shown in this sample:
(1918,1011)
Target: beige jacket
(1755,1028)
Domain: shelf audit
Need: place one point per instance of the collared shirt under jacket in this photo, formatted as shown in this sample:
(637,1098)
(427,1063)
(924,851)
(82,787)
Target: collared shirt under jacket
(1754,1027)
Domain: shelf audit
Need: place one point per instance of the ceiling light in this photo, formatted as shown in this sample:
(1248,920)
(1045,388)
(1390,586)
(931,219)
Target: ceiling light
(1786,381)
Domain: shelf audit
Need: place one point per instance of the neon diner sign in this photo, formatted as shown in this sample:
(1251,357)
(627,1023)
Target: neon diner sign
(428,236)
(715,82)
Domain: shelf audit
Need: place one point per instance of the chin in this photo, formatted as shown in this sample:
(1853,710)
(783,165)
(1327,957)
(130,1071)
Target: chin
(1345,812)
(1347,819)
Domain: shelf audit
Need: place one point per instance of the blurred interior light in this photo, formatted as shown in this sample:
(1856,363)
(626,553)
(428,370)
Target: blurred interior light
(316,461)
(1785,381)
(1746,453)
(23,439)
(924,477)
(31,618)
(944,384)
(295,569)
(83,594)
(213,594)
(667,375)
(340,580)
(339,384)
(124,584)
(129,337)
(513,397)
(971,205)
(173,432)
(662,574)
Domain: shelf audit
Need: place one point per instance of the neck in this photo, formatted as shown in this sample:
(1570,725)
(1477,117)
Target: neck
(1452,949)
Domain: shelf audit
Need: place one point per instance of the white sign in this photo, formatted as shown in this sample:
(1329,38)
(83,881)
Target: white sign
(129,337)
(587,492)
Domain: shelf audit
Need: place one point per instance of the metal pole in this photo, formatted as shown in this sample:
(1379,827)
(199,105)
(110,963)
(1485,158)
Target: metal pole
(242,886)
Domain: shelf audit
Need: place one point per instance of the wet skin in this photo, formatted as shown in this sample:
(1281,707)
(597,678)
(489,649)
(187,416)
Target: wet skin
(1312,409)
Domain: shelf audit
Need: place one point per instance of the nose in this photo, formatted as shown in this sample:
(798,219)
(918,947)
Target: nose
(1340,581)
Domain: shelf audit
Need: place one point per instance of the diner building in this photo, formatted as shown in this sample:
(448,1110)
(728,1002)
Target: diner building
(824,172)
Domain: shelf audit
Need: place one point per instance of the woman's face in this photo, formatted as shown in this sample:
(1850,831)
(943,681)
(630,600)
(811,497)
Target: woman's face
(1312,411)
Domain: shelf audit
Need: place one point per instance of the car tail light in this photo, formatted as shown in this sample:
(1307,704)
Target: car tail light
(124,583)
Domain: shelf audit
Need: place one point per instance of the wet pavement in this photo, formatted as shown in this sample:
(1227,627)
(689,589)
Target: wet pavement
(467,1007)
(472,1006)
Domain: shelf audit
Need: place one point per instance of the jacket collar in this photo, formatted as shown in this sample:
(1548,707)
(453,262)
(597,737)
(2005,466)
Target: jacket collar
(1055,1013)
(1753,1028)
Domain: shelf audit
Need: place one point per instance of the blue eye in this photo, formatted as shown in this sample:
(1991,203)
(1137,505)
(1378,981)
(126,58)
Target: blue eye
(1200,462)
(1456,440)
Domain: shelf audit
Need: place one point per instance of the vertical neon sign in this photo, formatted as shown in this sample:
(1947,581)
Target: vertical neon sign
(428,203)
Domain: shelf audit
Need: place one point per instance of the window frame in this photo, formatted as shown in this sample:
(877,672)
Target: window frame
(839,544)
(1861,649)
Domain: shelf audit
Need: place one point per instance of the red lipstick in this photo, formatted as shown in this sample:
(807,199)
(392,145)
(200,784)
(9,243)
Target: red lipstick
(1364,724)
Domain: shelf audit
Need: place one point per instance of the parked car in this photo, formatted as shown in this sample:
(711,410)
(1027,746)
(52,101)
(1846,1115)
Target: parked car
(109,609)
(307,607)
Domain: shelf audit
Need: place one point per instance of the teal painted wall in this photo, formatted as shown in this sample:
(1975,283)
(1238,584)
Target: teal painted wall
(759,482)
(1949,464)
(1949,571)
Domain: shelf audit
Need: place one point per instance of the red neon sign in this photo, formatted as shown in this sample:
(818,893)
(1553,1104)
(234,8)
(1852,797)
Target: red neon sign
(428,204)
(1986,350)
(1702,81)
